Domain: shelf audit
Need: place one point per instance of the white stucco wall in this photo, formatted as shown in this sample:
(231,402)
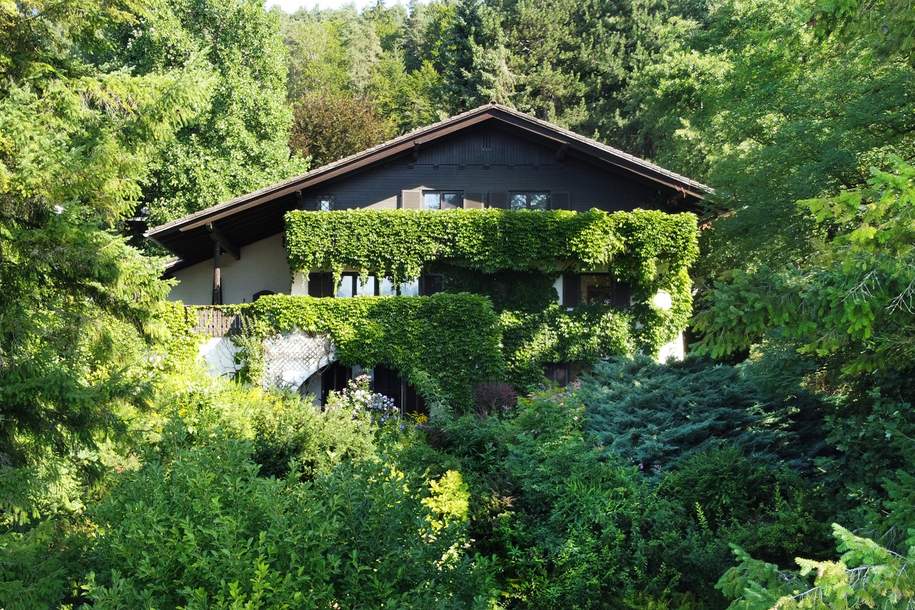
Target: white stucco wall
(673,350)
(219,355)
(262,266)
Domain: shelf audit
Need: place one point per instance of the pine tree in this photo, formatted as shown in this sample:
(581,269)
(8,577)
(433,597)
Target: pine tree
(79,304)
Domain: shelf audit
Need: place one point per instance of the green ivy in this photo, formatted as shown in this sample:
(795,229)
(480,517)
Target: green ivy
(514,290)
(554,335)
(447,343)
(443,344)
(397,244)
(494,251)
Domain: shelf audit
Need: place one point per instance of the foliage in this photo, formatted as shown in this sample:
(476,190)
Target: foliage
(238,140)
(649,250)
(567,523)
(446,343)
(492,398)
(720,497)
(528,291)
(204,529)
(556,335)
(78,140)
(426,339)
(223,494)
(296,438)
(641,245)
(317,60)
(853,300)
(327,127)
(752,99)
(357,399)
(570,62)
(866,576)
(656,415)
(871,430)
(40,567)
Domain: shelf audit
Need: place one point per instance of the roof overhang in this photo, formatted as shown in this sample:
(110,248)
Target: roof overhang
(259,214)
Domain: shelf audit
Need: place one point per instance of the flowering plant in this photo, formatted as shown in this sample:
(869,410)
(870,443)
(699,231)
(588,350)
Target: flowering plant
(359,398)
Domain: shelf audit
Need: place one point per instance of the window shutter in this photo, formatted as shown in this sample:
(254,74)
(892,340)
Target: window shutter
(498,199)
(559,201)
(473,200)
(411,200)
(571,289)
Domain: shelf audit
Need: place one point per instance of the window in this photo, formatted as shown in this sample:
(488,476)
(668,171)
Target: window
(351,286)
(603,289)
(597,289)
(320,285)
(430,284)
(530,200)
(442,200)
(326,203)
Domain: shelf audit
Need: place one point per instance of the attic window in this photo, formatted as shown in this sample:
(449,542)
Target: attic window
(530,200)
(326,203)
(442,200)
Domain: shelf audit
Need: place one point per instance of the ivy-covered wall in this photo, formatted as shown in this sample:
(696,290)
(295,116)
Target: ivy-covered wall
(397,244)
(513,256)
(498,319)
(443,344)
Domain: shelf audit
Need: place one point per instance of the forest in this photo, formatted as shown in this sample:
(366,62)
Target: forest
(773,468)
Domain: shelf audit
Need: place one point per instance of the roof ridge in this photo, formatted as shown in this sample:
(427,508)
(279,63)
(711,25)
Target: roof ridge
(414,134)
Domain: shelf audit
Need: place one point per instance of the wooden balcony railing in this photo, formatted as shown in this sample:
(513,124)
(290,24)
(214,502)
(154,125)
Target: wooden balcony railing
(214,322)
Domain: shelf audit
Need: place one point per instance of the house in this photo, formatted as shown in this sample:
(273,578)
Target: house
(491,157)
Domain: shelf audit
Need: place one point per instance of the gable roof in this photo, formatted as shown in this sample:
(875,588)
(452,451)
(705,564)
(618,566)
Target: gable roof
(170,233)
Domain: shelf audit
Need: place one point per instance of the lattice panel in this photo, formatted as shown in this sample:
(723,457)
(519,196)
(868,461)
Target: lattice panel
(290,359)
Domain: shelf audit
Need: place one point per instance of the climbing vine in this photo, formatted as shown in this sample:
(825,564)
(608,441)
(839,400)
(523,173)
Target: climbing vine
(397,244)
(443,344)
(498,319)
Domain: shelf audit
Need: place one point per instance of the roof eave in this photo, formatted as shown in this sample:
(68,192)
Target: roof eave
(404,142)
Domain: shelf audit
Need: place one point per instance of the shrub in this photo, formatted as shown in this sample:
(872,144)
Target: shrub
(721,497)
(39,567)
(287,432)
(205,530)
(359,400)
(655,415)
(568,525)
(866,576)
(493,397)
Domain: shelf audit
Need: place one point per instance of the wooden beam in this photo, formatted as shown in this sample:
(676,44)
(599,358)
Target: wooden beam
(219,237)
(561,152)
(217,276)
(362,160)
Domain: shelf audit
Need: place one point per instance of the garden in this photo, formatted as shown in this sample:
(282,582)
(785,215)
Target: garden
(772,468)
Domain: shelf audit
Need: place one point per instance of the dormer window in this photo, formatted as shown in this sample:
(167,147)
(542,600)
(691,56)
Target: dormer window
(442,200)
(326,203)
(529,200)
